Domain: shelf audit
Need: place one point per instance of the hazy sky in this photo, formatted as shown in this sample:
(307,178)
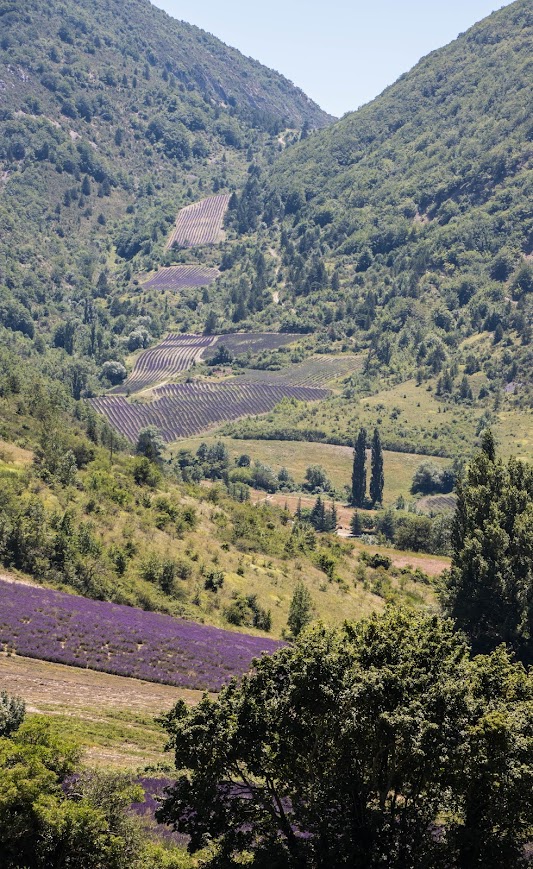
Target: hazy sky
(341,53)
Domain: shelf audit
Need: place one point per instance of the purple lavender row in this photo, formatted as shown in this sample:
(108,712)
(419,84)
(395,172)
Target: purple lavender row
(185,409)
(53,626)
(180,277)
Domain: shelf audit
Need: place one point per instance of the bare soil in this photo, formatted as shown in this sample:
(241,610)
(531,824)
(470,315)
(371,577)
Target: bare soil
(42,683)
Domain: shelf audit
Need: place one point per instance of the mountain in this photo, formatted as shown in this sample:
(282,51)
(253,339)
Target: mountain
(407,226)
(112,117)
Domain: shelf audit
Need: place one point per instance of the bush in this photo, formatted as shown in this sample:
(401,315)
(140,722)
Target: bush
(430,479)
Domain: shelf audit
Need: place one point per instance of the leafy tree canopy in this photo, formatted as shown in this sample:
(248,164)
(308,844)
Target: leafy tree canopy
(357,743)
(489,589)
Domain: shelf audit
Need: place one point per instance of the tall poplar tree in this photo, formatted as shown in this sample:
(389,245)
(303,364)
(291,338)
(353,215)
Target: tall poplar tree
(359,470)
(377,479)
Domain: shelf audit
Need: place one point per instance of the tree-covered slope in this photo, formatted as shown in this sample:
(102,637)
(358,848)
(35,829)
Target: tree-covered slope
(112,117)
(408,224)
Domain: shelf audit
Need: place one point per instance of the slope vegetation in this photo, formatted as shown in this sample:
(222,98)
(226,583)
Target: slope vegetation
(407,226)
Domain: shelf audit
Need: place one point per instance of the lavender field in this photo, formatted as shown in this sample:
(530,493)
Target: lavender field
(239,343)
(200,223)
(185,409)
(53,626)
(179,277)
(176,353)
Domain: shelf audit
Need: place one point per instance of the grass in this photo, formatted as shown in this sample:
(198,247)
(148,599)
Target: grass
(411,418)
(110,718)
(296,456)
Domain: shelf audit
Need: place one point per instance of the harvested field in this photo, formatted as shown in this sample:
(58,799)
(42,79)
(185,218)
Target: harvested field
(110,718)
(437,503)
(200,223)
(178,277)
(44,684)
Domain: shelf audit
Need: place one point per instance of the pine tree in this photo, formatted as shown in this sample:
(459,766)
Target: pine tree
(359,470)
(331,518)
(377,480)
(318,515)
(356,527)
(488,590)
(300,610)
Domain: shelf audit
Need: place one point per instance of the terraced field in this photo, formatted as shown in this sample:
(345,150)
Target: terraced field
(200,223)
(317,371)
(240,343)
(178,277)
(184,409)
(176,353)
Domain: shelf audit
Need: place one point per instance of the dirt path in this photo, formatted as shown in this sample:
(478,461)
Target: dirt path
(42,683)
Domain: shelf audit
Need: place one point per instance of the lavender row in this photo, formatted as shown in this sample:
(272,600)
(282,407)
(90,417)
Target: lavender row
(239,343)
(176,353)
(185,409)
(53,626)
(200,223)
(179,277)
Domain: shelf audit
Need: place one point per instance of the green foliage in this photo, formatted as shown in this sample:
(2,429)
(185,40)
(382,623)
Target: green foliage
(397,731)
(316,480)
(488,590)
(356,526)
(44,817)
(149,444)
(377,480)
(244,610)
(301,609)
(414,209)
(430,478)
(12,712)
(359,470)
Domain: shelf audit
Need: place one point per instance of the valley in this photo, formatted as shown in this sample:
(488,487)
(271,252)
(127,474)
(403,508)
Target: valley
(265,453)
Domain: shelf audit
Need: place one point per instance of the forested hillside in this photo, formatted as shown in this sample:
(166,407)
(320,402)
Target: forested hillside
(112,117)
(407,226)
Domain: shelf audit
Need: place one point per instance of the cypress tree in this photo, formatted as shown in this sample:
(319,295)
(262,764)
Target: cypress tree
(301,609)
(377,480)
(359,470)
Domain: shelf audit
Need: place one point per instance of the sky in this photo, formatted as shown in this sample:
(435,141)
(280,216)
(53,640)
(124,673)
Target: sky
(342,53)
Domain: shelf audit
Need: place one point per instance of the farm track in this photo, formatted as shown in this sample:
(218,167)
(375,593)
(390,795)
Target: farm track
(200,223)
